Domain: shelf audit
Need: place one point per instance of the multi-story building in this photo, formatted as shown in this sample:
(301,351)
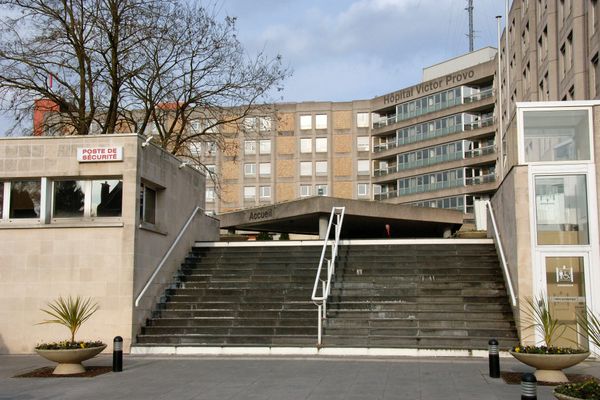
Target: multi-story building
(431,144)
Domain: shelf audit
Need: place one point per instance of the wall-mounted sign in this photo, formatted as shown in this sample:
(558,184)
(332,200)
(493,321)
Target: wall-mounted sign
(99,154)
(258,215)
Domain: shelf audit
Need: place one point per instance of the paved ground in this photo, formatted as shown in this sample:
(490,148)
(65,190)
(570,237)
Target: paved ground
(316,378)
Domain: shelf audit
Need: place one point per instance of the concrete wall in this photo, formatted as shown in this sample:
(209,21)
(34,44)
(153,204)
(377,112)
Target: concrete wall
(511,208)
(183,191)
(108,259)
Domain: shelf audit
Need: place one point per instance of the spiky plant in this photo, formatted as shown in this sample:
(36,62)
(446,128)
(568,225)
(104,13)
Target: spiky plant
(539,317)
(70,312)
(590,325)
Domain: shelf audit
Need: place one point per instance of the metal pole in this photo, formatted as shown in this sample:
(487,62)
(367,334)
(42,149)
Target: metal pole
(320,325)
(494,360)
(528,387)
(117,354)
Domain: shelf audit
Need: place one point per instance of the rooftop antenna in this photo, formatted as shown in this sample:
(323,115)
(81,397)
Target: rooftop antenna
(471,34)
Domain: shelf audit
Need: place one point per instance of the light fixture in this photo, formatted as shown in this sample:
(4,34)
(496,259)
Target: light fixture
(147,141)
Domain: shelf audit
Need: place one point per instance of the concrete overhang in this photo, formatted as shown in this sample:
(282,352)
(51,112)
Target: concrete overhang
(362,219)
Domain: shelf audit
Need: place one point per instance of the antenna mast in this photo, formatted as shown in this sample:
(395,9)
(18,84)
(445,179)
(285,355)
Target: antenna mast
(471,34)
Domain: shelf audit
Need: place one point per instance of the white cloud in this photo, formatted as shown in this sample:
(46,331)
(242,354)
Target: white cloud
(355,50)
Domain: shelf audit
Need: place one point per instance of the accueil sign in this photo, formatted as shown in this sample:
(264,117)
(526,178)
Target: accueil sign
(99,154)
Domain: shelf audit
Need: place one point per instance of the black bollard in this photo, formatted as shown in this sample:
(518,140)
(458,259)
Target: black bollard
(118,354)
(528,387)
(494,359)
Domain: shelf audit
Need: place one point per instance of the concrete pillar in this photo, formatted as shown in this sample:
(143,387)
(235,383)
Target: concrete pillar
(323,222)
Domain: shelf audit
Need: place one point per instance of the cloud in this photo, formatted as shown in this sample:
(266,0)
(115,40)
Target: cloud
(362,48)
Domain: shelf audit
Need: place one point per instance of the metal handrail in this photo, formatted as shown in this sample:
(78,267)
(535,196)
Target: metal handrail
(505,269)
(167,254)
(336,218)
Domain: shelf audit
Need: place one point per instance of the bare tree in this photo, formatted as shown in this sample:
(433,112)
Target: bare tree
(139,65)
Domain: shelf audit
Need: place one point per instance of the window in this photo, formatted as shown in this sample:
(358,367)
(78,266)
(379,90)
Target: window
(250,124)
(362,189)
(321,190)
(305,122)
(204,125)
(557,135)
(69,199)
(265,146)
(264,169)
(210,148)
(24,199)
(305,190)
(147,204)
(321,145)
(249,192)
(363,167)
(195,149)
(321,121)
(1,198)
(264,124)
(250,147)
(306,168)
(106,198)
(210,195)
(305,145)
(362,143)
(362,120)
(561,210)
(211,168)
(265,192)
(321,168)
(250,169)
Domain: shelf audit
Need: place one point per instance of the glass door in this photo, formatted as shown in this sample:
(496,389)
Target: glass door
(565,287)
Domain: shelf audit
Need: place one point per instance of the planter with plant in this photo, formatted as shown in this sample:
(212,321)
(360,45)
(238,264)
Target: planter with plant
(589,324)
(548,359)
(72,313)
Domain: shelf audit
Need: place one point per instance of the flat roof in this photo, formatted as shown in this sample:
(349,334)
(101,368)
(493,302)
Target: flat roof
(362,218)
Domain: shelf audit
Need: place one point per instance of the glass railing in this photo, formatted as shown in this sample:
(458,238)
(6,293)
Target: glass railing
(477,180)
(480,180)
(386,195)
(479,96)
(386,171)
(479,124)
(392,119)
(482,151)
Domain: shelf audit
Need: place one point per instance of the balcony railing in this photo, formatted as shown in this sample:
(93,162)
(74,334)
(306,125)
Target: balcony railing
(479,96)
(419,137)
(477,180)
(482,151)
(480,180)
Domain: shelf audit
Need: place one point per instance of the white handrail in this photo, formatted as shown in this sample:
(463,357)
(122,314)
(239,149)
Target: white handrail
(321,301)
(505,269)
(167,254)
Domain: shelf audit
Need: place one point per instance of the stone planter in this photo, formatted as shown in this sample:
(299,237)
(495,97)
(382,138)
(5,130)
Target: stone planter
(564,396)
(549,366)
(69,360)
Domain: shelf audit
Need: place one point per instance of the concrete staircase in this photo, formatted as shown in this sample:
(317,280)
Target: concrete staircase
(419,296)
(434,296)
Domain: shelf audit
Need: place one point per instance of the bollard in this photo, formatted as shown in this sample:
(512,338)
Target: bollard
(494,359)
(118,354)
(528,387)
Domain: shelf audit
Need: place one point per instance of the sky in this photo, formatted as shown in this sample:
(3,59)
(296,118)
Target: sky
(342,50)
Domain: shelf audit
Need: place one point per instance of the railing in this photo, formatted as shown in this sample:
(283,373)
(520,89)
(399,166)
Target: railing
(479,96)
(335,220)
(482,151)
(480,180)
(166,256)
(505,269)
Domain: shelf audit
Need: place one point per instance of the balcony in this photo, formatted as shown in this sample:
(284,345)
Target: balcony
(482,151)
(477,180)
(478,96)
(420,137)
(392,119)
